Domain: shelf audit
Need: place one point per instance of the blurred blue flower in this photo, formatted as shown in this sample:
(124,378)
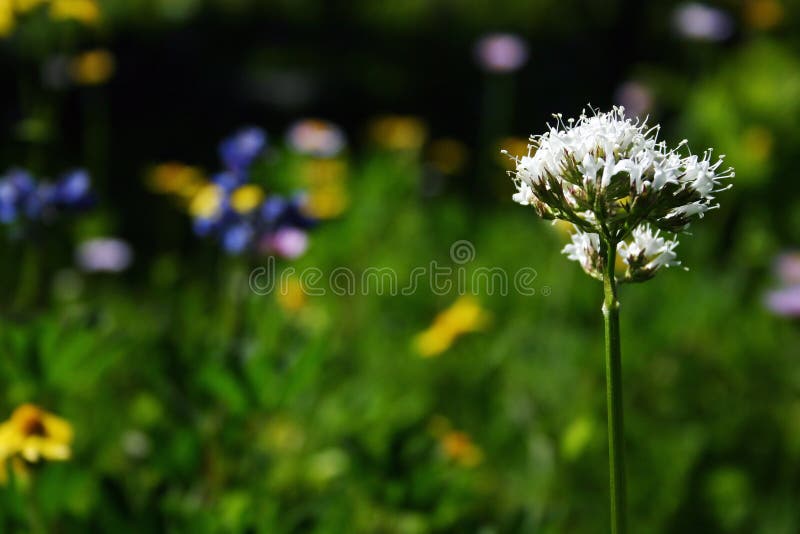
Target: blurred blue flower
(74,188)
(229,181)
(203,226)
(236,238)
(22,181)
(21,194)
(239,151)
(272,209)
(8,201)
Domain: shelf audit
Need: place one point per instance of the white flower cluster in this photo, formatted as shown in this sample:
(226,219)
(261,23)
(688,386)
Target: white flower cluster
(613,179)
(642,255)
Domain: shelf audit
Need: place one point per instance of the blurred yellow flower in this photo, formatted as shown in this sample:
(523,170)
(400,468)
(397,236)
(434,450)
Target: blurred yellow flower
(515,146)
(448,156)
(291,296)
(433,341)
(207,202)
(246,198)
(24,6)
(84,11)
(459,447)
(176,178)
(398,132)
(327,192)
(763,14)
(326,202)
(6,18)
(94,67)
(318,172)
(33,434)
(464,316)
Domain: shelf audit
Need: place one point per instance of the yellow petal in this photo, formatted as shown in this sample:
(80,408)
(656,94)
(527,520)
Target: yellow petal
(207,202)
(24,6)
(84,11)
(6,18)
(433,342)
(58,429)
(246,198)
(94,67)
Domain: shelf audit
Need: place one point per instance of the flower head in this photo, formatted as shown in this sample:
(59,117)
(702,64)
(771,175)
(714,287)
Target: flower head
(646,253)
(35,434)
(613,180)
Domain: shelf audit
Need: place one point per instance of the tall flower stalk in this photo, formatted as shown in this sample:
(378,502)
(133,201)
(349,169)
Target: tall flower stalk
(620,188)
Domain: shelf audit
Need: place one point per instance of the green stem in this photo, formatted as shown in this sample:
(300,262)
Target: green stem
(616,445)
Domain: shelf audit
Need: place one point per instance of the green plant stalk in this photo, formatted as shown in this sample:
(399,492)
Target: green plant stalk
(616,444)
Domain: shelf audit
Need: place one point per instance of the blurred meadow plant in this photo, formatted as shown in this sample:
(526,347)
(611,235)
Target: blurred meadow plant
(233,210)
(620,187)
(29,211)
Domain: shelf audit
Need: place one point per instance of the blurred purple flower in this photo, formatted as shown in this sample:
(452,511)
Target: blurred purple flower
(106,254)
(785,302)
(315,137)
(787,267)
(635,97)
(239,150)
(702,22)
(501,52)
(289,242)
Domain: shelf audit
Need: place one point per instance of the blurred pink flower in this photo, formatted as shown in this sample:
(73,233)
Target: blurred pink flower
(635,97)
(702,22)
(289,242)
(315,137)
(787,267)
(785,302)
(104,255)
(501,52)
